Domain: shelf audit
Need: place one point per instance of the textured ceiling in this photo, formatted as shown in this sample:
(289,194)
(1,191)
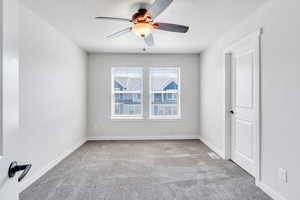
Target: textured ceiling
(208,20)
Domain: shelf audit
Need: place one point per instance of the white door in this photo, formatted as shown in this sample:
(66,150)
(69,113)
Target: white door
(9,105)
(244,103)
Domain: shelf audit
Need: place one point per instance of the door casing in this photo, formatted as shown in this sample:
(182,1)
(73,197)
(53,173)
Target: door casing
(10,143)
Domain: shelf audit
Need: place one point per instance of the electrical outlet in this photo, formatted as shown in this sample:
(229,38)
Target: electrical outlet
(282,175)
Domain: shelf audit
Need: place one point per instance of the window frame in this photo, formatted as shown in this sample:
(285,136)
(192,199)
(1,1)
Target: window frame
(165,117)
(113,92)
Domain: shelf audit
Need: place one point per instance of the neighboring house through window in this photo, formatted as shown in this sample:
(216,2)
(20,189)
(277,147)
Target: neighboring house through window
(165,93)
(127,92)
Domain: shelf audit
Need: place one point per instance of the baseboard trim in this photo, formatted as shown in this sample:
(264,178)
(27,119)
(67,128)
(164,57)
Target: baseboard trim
(27,182)
(270,191)
(96,138)
(212,147)
(267,189)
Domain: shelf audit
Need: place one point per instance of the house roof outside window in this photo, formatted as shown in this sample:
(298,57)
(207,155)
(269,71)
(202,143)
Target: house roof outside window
(125,84)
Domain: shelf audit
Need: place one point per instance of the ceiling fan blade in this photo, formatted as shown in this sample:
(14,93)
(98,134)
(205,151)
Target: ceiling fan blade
(149,40)
(114,19)
(158,7)
(171,27)
(119,33)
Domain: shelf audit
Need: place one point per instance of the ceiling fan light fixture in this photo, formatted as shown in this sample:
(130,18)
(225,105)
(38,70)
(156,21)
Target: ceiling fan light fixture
(142,29)
(143,22)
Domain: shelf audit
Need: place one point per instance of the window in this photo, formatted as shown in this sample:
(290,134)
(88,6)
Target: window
(127,92)
(165,93)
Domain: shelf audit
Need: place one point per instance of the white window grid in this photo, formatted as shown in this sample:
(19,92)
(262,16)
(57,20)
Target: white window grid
(114,92)
(178,92)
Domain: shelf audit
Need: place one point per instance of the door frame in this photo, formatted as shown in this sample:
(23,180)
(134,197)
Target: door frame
(9,97)
(255,36)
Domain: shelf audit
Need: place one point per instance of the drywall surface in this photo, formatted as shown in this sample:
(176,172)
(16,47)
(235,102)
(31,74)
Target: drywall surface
(100,124)
(52,92)
(280,92)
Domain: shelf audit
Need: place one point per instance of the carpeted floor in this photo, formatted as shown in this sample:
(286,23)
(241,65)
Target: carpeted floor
(144,170)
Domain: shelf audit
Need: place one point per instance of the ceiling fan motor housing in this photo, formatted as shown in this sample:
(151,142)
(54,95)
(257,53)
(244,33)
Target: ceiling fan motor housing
(142,16)
(143,24)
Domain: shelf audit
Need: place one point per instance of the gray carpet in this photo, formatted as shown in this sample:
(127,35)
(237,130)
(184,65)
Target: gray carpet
(144,170)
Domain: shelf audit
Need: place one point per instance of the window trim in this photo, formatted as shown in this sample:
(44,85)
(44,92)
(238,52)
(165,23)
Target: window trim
(113,116)
(166,117)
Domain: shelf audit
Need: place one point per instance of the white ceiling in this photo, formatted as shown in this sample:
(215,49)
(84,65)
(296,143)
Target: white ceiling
(208,20)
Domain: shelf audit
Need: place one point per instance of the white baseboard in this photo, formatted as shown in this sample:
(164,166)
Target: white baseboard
(95,138)
(267,189)
(270,191)
(27,182)
(212,147)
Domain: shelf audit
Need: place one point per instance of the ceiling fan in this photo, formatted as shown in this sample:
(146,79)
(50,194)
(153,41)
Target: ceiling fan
(143,22)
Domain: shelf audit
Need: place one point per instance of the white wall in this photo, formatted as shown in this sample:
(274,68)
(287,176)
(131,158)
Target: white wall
(52,92)
(99,91)
(280,92)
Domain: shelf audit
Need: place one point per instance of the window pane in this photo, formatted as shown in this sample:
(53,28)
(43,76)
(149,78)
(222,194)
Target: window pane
(128,104)
(127,92)
(164,94)
(163,104)
(127,79)
(163,79)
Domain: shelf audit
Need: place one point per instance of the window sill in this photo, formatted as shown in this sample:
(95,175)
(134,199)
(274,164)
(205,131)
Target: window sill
(126,118)
(167,118)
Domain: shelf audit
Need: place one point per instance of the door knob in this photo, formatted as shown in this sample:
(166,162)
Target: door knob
(14,168)
(231,112)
